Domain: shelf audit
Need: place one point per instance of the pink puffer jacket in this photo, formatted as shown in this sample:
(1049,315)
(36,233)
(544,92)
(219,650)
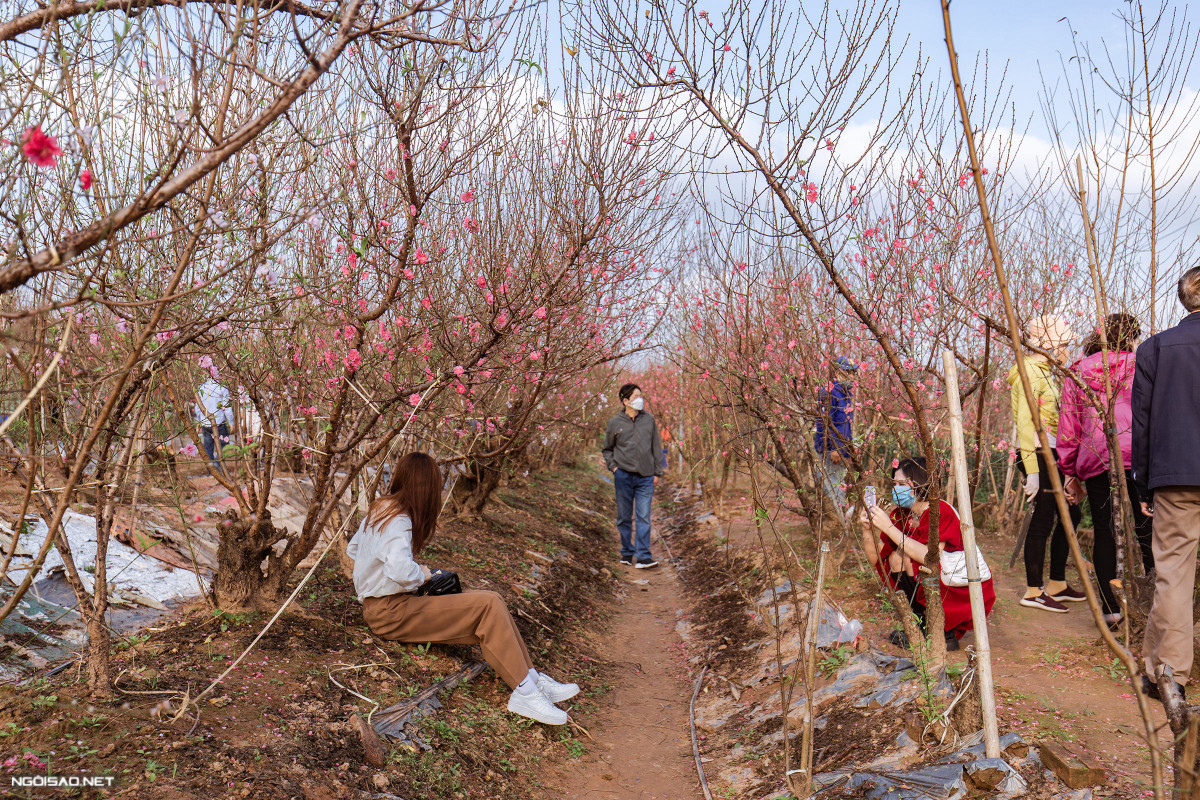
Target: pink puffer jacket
(1082,449)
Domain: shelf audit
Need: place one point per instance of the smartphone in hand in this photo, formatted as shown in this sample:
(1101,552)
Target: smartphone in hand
(869,498)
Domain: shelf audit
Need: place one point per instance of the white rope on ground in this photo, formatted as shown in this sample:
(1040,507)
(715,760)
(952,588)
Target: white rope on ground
(944,717)
(341,530)
(374,704)
(695,693)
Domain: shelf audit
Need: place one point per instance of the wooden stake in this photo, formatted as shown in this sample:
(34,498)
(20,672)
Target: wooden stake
(1185,760)
(983,650)
(810,658)
(1008,476)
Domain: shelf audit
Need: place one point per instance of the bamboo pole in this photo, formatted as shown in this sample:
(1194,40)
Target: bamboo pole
(810,666)
(983,650)
(1185,759)
(977,476)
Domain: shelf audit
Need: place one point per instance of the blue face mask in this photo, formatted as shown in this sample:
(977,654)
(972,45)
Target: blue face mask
(903,496)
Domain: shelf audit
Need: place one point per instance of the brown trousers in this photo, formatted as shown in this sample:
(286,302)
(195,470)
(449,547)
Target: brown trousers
(1176,534)
(473,617)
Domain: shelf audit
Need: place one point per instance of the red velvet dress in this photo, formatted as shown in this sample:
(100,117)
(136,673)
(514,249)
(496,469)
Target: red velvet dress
(956,600)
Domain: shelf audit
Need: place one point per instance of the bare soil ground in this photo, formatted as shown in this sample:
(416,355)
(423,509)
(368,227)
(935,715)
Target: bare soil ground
(278,726)
(639,746)
(1056,680)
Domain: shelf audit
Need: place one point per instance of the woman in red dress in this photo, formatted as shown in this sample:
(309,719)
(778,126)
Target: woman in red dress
(897,544)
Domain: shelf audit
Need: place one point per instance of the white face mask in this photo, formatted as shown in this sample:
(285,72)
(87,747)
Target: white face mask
(637,404)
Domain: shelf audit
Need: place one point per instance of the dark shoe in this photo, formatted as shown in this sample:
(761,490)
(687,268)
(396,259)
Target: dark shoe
(952,642)
(898,638)
(1150,688)
(1069,595)
(651,564)
(627,560)
(1045,602)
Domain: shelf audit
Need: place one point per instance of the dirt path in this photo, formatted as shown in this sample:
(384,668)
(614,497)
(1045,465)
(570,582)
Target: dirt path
(1057,680)
(642,740)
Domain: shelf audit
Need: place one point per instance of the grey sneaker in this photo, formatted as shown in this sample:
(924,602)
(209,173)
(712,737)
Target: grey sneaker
(556,692)
(537,707)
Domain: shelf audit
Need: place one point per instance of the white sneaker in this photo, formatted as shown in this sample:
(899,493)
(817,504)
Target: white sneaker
(556,692)
(537,707)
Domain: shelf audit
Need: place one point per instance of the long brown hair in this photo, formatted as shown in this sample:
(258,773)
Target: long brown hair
(415,490)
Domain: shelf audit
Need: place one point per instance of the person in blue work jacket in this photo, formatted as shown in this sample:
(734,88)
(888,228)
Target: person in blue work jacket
(834,439)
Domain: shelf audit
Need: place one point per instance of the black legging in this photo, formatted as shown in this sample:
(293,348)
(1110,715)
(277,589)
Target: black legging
(1044,522)
(1104,554)
(907,585)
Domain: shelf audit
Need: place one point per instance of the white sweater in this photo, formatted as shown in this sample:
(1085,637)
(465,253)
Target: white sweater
(383,560)
(214,407)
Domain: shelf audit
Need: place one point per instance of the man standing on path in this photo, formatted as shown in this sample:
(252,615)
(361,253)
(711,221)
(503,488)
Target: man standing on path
(632,449)
(835,436)
(1166,468)
(214,412)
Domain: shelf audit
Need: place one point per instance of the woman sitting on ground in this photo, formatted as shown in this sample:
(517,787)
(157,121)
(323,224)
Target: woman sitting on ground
(386,578)
(899,549)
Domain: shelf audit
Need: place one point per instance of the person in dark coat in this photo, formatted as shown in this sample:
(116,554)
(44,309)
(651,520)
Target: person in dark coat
(1166,468)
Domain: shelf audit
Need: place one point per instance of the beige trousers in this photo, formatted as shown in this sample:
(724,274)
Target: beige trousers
(1176,533)
(473,617)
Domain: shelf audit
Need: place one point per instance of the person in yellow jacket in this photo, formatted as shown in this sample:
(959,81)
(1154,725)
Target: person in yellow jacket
(1049,333)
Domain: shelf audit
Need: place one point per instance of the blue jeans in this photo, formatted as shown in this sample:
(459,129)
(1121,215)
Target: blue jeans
(211,447)
(634,493)
(832,477)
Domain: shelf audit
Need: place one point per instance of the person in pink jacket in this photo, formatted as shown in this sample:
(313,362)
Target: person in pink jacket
(1083,449)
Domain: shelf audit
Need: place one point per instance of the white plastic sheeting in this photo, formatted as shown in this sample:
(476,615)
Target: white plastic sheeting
(135,577)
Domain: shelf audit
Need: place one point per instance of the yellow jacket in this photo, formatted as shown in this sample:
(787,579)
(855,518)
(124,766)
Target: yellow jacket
(1045,389)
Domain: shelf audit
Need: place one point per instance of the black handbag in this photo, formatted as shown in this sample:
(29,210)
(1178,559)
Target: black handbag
(441,581)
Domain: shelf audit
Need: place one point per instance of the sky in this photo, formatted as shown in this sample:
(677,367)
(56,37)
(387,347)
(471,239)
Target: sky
(1032,39)
(1028,36)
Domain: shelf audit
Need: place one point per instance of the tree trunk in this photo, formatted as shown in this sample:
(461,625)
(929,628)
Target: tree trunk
(99,671)
(240,583)
(720,493)
(474,488)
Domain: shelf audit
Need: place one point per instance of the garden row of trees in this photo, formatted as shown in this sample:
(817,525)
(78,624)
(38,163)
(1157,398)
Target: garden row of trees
(863,222)
(379,225)
(388,225)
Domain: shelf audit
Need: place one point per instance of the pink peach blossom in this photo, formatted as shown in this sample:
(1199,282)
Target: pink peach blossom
(40,148)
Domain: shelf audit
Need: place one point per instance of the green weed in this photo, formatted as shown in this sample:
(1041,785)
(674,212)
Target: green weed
(574,747)
(1114,670)
(834,661)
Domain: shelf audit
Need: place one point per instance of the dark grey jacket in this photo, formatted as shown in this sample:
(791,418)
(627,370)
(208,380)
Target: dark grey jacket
(1166,392)
(633,444)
